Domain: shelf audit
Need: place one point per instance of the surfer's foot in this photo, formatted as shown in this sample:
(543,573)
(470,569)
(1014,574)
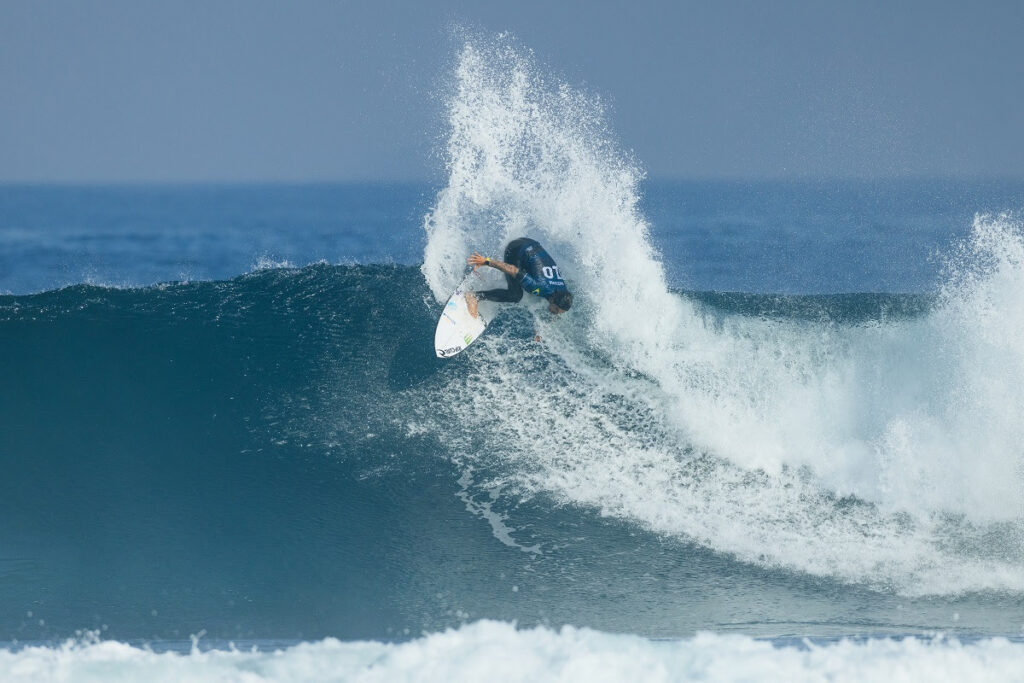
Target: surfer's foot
(471,304)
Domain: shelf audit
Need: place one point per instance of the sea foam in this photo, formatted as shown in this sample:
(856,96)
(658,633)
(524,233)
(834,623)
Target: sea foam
(497,651)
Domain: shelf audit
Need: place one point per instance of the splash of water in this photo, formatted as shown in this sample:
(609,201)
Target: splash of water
(888,453)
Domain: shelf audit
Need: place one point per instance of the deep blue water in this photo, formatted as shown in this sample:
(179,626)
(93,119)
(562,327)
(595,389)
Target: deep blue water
(816,237)
(260,451)
(766,237)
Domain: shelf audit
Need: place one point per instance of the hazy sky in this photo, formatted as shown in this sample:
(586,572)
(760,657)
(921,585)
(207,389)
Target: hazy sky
(337,90)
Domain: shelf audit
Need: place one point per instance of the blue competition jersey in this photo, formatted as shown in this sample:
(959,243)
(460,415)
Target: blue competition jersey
(538,274)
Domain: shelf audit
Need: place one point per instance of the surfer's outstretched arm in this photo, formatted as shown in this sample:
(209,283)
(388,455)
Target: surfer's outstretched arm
(476,260)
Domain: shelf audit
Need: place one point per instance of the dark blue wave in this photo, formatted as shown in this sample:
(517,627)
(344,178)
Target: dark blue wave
(234,456)
(147,464)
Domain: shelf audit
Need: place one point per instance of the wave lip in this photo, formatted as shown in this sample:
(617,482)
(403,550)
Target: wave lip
(498,651)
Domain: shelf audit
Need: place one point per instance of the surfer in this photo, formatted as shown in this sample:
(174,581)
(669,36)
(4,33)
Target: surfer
(526,267)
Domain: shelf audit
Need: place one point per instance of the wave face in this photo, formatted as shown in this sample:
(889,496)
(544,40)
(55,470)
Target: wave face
(886,453)
(280,455)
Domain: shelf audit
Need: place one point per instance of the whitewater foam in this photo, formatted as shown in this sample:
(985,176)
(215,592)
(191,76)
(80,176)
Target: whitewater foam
(497,651)
(886,452)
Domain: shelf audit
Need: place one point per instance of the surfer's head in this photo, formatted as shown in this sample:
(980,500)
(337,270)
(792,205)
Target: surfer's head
(559,302)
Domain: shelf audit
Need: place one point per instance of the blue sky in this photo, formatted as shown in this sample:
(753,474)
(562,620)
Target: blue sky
(145,91)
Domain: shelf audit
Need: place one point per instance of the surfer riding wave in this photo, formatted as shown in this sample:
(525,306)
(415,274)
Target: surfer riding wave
(527,267)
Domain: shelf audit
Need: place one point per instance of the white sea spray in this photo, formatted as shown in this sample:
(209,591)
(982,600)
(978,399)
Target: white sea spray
(887,453)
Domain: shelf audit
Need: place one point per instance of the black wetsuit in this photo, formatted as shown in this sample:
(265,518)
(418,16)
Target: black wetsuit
(538,274)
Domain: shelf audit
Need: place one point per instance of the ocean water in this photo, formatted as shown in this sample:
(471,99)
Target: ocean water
(779,436)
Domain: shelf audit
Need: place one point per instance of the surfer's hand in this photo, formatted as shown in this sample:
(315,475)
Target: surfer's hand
(476,260)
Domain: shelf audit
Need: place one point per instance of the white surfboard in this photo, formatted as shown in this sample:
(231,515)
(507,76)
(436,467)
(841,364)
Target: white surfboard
(456,328)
